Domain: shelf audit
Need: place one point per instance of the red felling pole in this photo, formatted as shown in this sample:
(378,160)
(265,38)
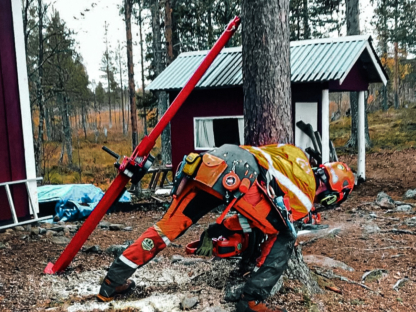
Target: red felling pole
(142,150)
(147,143)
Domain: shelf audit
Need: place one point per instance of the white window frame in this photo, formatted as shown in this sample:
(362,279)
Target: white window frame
(212,118)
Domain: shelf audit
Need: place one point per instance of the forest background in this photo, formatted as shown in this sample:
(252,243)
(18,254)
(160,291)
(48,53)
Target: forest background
(73,115)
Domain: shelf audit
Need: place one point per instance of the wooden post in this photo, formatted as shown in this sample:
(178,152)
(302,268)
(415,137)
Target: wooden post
(325,126)
(361,136)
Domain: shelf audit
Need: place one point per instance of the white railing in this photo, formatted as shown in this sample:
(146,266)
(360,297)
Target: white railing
(11,203)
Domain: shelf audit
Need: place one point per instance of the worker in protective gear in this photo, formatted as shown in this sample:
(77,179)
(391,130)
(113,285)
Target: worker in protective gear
(269,187)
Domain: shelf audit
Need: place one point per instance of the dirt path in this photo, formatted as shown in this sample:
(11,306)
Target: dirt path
(363,243)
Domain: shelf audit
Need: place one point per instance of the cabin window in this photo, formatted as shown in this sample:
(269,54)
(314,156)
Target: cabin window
(210,132)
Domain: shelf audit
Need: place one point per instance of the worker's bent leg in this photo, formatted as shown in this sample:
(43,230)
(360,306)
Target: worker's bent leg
(185,210)
(276,253)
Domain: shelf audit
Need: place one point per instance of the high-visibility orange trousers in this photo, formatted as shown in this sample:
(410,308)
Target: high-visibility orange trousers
(194,202)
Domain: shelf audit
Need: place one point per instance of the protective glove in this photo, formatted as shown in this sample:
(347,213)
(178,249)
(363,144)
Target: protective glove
(205,248)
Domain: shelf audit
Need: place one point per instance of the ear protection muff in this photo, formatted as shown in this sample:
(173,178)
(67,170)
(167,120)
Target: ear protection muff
(328,198)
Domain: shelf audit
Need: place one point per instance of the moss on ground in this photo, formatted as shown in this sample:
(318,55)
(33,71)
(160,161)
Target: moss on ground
(392,130)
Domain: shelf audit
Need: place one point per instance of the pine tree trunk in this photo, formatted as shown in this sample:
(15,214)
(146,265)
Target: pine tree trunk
(266,86)
(266,72)
(67,131)
(39,94)
(396,75)
(307,30)
(168,31)
(385,32)
(130,65)
(48,124)
(83,119)
(158,68)
(109,99)
(166,142)
(142,66)
(210,28)
(353,28)
(353,140)
(122,95)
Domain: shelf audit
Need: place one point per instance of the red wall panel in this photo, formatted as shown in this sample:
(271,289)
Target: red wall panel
(12,154)
(201,103)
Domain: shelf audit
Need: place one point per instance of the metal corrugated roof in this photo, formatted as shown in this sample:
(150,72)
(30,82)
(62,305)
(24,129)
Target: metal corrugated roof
(310,61)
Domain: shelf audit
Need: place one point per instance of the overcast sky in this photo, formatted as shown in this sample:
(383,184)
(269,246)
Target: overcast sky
(90,29)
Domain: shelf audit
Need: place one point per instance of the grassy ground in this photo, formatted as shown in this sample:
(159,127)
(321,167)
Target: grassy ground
(392,130)
(90,163)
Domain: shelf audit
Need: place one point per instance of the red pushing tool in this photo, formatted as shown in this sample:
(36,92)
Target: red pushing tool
(136,166)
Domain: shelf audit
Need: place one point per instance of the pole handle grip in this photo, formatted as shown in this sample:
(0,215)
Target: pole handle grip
(112,153)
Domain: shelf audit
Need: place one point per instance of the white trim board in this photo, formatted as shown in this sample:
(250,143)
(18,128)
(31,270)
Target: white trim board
(24,99)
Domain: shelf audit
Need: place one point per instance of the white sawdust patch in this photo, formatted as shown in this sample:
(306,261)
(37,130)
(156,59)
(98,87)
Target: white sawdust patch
(154,303)
(87,283)
(84,283)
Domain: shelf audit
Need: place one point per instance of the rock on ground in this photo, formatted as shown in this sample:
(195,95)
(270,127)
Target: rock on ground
(188,302)
(404,208)
(410,222)
(60,240)
(371,228)
(116,250)
(410,194)
(116,227)
(49,233)
(385,201)
(327,262)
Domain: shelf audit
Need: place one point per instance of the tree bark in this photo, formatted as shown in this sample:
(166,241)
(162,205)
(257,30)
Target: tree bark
(266,72)
(39,94)
(121,93)
(396,75)
(307,30)
(130,64)
(66,129)
(83,119)
(109,90)
(353,28)
(142,67)
(396,56)
(156,44)
(267,89)
(166,141)
(158,68)
(385,55)
(48,124)
(210,28)
(107,70)
(168,32)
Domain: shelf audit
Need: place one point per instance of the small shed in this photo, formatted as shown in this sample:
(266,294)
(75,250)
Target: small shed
(18,188)
(213,113)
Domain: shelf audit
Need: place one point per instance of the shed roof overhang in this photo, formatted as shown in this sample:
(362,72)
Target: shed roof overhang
(330,60)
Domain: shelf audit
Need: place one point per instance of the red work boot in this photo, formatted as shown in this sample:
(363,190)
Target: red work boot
(255,306)
(108,290)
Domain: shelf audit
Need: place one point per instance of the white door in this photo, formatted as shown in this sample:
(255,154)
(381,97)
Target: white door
(308,113)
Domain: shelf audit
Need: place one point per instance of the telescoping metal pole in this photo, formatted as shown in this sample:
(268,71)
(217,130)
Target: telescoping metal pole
(134,167)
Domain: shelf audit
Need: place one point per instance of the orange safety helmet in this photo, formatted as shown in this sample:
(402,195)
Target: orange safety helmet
(338,181)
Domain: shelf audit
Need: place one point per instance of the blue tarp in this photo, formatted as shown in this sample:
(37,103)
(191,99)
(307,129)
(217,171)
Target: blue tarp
(74,201)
